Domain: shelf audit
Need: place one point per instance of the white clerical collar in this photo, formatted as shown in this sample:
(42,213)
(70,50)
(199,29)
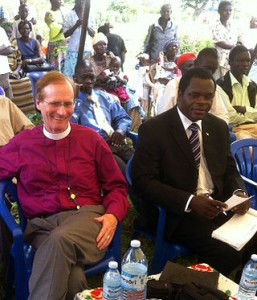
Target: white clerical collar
(57,136)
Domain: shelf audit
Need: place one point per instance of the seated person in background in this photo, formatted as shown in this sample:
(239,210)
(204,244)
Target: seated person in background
(116,43)
(12,122)
(98,110)
(101,61)
(116,81)
(165,69)
(183,163)
(70,188)
(23,13)
(241,91)
(102,57)
(208,60)
(31,51)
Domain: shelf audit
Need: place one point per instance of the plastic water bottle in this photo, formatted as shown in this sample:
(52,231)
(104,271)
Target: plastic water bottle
(112,282)
(134,273)
(248,281)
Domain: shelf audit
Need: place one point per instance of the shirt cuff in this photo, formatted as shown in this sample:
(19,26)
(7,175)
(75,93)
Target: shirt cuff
(188,203)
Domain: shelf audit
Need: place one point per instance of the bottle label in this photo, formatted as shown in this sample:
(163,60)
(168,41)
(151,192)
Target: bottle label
(248,282)
(133,282)
(112,292)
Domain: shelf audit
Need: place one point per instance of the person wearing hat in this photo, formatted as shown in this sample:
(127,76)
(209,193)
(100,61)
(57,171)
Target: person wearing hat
(72,27)
(102,57)
(115,44)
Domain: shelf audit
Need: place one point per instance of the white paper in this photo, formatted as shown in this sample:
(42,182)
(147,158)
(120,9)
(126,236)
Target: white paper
(238,230)
(234,201)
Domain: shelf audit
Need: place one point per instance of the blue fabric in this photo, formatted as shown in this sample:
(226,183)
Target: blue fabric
(115,115)
(28,50)
(71,61)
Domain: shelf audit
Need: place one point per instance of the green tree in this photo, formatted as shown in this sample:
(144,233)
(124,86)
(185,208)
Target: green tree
(198,6)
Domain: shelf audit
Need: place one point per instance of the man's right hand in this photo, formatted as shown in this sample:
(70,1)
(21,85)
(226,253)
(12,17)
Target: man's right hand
(206,207)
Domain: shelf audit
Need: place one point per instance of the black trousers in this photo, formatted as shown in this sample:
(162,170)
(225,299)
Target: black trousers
(195,233)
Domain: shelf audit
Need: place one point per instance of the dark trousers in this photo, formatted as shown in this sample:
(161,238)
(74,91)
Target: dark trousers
(195,233)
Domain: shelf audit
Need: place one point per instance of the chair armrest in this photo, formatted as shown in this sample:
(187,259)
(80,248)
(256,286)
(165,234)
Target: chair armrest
(133,136)
(249,181)
(161,225)
(5,213)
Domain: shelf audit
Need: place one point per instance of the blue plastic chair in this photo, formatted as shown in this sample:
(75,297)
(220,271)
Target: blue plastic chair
(2,92)
(163,250)
(34,77)
(22,253)
(133,136)
(245,155)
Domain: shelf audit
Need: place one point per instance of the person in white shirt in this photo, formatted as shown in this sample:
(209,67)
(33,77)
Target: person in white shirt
(72,27)
(225,35)
(242,94)
(208,60)
(5,50)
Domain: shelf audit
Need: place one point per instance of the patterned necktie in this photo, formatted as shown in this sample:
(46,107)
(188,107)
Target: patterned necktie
(195,143)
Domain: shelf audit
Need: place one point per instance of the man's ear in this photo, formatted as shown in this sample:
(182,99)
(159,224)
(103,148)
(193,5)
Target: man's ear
(179,98)
(38,104)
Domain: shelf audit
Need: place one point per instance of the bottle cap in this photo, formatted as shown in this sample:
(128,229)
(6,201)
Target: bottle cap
(254,257)
(135,243)
(113,265)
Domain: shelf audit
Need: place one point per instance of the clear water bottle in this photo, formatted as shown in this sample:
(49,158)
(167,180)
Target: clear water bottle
(248,282)
(112,282)
(134,273)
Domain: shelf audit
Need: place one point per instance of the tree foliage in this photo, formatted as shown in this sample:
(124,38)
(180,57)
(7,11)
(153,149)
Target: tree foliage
(198,6)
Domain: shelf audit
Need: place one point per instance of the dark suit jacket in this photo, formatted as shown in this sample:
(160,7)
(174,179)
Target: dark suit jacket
(164,169)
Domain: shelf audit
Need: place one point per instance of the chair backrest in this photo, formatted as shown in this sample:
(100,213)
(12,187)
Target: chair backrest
(163,250)
(245,155)
(2,92)
(22,253)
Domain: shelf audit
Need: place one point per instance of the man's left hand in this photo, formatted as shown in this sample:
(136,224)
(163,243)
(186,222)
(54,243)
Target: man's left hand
(109,224)
(117,139)
(242,208)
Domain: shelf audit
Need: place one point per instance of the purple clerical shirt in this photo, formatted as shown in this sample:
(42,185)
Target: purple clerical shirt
(45,169)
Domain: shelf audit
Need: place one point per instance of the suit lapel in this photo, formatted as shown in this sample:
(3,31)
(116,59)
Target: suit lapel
(178,134)
(207,131)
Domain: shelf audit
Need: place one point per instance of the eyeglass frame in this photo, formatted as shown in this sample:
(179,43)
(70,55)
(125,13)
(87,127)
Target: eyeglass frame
(57,105)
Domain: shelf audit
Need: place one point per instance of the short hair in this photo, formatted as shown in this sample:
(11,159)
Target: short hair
(115,59)
(236,50)
(84,64)
(194,73)
(165,5)
(23,23)
(209,52)
(222,5)
(53,77)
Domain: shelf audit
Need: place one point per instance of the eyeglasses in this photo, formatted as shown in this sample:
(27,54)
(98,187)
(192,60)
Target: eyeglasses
(56,105)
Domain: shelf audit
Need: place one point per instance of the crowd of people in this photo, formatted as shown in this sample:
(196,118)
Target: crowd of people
(70,171)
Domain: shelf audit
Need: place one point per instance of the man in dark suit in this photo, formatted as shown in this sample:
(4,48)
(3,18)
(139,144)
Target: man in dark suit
(166,172)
